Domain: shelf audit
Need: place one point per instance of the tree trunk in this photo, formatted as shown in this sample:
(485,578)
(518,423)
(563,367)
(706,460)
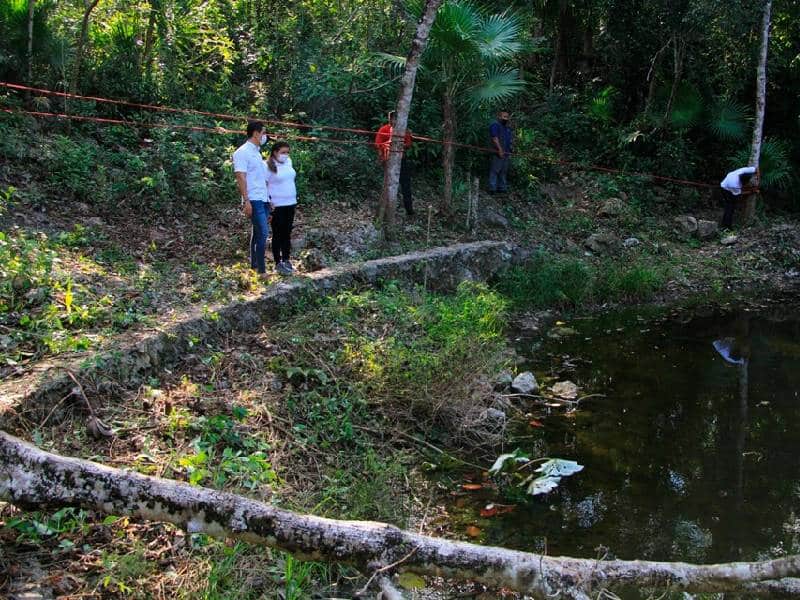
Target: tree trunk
(559,47)
(35,479)
(652,77)
(391,177)
(79,50)
(761,105)
(448,156)
(149,41)
(29,78)
(678,52)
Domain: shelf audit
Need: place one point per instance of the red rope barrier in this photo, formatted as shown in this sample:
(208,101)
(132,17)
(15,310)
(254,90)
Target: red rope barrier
(218,130)
(223,116)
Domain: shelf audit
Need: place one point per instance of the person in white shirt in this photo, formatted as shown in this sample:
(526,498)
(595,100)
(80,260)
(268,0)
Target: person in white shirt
(731,188)
(283,200)
(251,177)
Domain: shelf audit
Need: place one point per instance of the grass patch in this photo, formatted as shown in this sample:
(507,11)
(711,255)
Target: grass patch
(551,281)
(413,351)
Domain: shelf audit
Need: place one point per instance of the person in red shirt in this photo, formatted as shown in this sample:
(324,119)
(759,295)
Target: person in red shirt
(383,140)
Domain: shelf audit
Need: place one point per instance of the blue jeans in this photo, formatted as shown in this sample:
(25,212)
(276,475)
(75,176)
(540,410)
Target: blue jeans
(497,174)
(258,237)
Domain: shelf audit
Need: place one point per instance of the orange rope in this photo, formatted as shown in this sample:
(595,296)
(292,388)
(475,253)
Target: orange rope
(223,116)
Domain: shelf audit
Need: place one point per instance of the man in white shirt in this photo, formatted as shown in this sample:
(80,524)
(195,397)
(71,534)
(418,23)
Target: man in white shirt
(731,188)
(251,177)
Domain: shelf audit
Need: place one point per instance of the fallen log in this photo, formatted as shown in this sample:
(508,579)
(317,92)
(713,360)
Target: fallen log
(34,479)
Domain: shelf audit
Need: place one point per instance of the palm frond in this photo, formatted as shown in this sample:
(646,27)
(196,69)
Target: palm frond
(456,27)
(497,85)
(384,59)
(601,106)
(727,119)
(499,36)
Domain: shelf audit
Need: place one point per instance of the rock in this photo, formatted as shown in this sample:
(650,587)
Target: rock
(494,218)
(631,242)
(565,389)
(525,383)
(82,207)
(94,222)
(495,414)
(613,207)
(503,380)
(560,331)
(600,242)
(686,224)
(729,240)
(707,229)
(298,243)
(313,259)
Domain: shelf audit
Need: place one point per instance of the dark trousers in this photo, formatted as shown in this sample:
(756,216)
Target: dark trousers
(258,235)
(498,173)
(282,223)
(405,185)
(729,203)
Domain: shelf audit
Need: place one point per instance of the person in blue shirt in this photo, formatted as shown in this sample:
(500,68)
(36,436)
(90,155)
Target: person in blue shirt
(502,137)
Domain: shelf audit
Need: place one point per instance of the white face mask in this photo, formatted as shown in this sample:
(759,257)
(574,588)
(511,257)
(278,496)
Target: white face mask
(264,138)
(282,158)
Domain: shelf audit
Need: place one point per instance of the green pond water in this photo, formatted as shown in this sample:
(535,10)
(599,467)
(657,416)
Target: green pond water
(692,454)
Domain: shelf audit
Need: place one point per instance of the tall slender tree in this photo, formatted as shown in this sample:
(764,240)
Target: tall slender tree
(761,105)
(83,36)
(391,178)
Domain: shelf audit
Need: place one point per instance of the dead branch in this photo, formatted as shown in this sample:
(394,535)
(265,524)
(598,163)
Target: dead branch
(32,478)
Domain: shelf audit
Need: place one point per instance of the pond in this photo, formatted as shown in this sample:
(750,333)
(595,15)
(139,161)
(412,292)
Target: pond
(690,454)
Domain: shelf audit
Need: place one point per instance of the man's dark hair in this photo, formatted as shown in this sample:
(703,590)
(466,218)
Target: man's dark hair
(253,126)
(745,178)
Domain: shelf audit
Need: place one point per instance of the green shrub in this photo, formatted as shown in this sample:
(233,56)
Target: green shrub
(550,281)
(547,281)
(72,166)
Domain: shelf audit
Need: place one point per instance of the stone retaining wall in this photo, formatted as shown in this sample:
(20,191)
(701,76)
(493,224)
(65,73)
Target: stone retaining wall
(138,355)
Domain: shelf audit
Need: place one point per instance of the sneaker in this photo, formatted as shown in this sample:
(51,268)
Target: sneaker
(288,266)
(281,269)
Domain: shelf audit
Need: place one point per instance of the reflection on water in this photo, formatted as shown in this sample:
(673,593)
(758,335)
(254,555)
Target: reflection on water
(692,454)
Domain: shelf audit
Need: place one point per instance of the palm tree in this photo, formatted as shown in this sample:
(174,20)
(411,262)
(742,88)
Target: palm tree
(466,63)
(467,59)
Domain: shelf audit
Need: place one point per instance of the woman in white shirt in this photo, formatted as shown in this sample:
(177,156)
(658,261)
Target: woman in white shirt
(283,200)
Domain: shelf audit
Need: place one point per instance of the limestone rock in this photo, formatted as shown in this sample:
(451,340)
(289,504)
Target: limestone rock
(707,229)
(686,224)
(729,240)
(494,218)
(503,380)
(313,259)
(565,389)
(525,383)
(600,243)
(613,207)
(631,242)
